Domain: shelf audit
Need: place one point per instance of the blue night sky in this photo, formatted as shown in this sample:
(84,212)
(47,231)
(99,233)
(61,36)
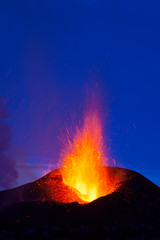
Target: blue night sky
(52,51)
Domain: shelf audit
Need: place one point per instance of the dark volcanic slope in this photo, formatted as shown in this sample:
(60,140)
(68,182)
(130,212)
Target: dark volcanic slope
(131,211)
(49,187)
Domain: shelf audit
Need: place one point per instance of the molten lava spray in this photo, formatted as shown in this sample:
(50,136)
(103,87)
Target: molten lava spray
(84,159)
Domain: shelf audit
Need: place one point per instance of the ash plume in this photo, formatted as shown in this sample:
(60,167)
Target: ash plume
(8,172)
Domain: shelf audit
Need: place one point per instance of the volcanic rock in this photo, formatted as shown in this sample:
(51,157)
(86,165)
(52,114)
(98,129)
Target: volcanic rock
(48,209)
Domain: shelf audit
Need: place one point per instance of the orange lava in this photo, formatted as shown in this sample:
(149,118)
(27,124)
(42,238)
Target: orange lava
(83,161)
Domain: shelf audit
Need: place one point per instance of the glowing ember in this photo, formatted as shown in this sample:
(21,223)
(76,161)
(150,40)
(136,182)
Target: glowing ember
(84,159)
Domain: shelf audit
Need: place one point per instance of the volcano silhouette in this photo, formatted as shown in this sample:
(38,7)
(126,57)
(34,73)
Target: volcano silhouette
(48,209)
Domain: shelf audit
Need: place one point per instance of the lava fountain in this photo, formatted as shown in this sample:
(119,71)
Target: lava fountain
(83,161)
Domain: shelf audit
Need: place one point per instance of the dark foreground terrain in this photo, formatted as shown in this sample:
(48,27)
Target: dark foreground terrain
(39,210)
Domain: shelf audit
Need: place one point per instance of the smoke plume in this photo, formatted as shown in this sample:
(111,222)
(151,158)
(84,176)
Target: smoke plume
(8,173)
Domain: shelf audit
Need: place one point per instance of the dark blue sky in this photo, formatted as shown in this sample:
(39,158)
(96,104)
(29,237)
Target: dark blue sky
(52,51)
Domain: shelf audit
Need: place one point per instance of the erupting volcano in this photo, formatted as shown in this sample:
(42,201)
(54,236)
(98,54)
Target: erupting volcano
(84,159)
(84,198)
